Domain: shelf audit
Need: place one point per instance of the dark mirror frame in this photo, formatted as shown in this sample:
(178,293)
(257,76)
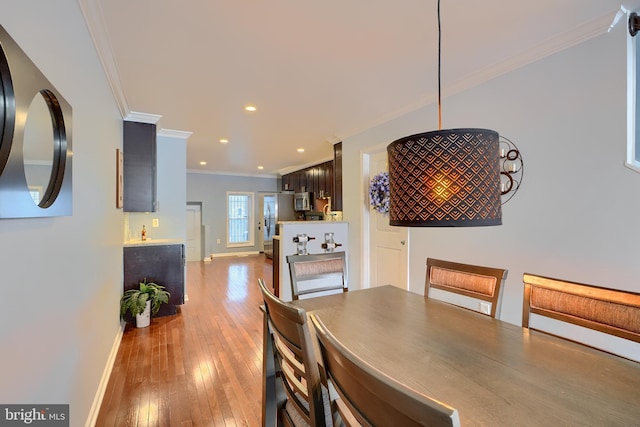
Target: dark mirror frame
(7,110)
(21,82)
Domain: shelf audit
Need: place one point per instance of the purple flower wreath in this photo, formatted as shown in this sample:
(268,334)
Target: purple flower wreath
(379,193)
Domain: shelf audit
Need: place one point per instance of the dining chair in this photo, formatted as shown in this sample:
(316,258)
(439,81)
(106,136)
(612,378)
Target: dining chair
(307,401)
(470,286)
(565,308)
(368,397)
(317,273)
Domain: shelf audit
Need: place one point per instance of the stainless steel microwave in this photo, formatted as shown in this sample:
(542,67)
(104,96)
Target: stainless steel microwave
(302,201)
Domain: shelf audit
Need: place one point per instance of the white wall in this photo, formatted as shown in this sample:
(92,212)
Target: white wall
(171,195)
(576,214)
(61,277)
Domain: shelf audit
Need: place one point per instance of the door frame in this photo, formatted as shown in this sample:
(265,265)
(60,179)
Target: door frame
(365,173)
(200,231)
(260,223)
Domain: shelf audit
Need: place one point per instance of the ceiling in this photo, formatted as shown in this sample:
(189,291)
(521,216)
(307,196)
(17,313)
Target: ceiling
(317,71)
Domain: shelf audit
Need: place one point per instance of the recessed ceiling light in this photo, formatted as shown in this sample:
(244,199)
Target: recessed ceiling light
(250,108)
(203,163)
(260,167)
(224,141)
(300,150)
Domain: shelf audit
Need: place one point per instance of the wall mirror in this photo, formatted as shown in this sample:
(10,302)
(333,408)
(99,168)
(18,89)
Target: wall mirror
(44,148)
(7,108)
(36,144)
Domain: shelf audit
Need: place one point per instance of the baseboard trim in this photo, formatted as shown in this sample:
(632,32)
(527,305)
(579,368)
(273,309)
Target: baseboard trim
(226,254)
(104,381)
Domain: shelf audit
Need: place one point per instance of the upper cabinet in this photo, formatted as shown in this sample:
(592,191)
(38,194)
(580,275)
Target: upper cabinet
(337,176)
(317,179)
(139,174)
(324,179)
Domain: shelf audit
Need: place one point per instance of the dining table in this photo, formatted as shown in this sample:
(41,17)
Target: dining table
(493,372)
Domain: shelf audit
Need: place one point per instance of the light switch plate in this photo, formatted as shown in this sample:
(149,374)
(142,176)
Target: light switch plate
(155,222)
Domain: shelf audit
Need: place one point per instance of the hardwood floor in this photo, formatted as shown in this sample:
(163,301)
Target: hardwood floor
(201,367)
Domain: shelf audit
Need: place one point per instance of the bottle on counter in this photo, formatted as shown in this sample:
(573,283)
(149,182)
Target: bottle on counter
(143,233)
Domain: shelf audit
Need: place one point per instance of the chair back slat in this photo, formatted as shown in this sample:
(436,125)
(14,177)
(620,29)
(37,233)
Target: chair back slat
(479,285)
(296,362)
(313,274)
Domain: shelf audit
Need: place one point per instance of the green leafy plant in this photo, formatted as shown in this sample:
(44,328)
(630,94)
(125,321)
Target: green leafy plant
(135,300)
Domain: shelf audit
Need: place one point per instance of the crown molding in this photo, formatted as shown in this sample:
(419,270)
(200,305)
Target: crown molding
(596,27)
(170,133)
(135,116)
(95,24)
(290,169)
(247,175)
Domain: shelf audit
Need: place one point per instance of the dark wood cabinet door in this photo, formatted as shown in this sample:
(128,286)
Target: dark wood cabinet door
(162,264)
(328,180)
(302,181)
(139,172)
(321,180)
(286,182)
(316,180)
(337,177)
(324,178)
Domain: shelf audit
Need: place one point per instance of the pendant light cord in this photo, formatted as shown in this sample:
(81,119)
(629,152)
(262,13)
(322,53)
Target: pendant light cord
(439,59)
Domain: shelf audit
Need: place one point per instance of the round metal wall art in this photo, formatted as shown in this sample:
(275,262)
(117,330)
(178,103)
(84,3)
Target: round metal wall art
(7,110)
(35,145)
(511,169)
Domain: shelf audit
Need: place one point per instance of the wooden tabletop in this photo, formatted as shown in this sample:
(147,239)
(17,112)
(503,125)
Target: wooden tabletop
(494,373)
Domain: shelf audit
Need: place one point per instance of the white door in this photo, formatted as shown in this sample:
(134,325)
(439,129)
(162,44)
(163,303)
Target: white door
(389,246)
(194,233)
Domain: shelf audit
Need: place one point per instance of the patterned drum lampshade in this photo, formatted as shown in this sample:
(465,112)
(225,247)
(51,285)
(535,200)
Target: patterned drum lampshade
(445,178)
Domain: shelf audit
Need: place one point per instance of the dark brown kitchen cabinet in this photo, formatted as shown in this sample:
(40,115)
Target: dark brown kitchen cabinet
(139,172)
(337,177)
(162,264)
(318,179)
(286,183)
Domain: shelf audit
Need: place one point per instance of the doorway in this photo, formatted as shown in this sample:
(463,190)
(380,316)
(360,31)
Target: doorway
(388,247)
(267,223)
(194,232)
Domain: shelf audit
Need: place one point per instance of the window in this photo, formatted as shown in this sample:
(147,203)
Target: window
(239,219)
(35,191)
(633,103)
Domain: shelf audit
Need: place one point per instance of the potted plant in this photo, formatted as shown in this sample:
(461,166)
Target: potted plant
(143,302)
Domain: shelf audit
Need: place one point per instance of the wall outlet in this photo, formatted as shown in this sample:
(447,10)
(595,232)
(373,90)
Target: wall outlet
(155,222)
(218,241)
(485,307)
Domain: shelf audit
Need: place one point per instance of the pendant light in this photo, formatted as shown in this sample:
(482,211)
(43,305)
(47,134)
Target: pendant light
(445,178)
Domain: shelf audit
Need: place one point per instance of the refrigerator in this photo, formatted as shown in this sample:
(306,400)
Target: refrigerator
(277,207)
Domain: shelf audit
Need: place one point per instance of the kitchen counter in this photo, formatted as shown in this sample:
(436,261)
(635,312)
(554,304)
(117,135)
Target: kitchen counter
(153,242)
(319,232)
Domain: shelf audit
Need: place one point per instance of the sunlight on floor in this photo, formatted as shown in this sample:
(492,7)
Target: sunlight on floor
(237,283)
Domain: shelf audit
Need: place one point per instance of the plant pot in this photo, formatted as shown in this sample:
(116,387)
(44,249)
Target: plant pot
(143,320)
